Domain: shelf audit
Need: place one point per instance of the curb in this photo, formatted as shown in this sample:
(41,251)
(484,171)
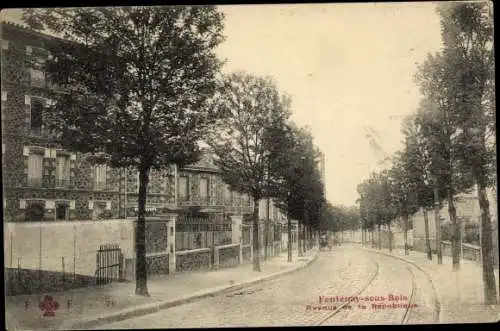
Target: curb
(437,303)
(155,307)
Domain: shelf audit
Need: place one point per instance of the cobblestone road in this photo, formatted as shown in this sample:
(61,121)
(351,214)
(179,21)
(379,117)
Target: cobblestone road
(293,300)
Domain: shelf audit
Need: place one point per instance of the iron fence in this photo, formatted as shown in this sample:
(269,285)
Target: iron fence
(109,262)
(201,232)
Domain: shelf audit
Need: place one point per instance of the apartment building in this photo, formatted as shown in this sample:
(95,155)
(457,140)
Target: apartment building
(43,182)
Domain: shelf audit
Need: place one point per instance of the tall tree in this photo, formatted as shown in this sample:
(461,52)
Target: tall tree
(416,161)
(467,31)
(295,165)
(251,106)
(281,143)
(137,84)
(438,122)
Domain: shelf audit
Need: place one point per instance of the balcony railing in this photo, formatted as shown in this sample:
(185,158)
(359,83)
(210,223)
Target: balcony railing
(204,200)
(62,183)
(100,186)
(34,182)
(42,132)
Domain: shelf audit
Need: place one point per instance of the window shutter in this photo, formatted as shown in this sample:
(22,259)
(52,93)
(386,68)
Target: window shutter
(92,170)
(91,204)
(107,174)
(108,205)
(29,50)
(27,112)
(4,95)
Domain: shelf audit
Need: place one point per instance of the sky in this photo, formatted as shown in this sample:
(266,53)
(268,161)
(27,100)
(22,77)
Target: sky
(349,69)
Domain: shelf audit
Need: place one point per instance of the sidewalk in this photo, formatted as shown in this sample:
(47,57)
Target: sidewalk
(94,306)
(460,293)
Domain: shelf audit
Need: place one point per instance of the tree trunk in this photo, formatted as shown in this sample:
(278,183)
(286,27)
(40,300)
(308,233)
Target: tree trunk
(390,237)
(304,238)
(141,273)
(266,230)
(427,240)
(299,238)
(256,241)
(490,289)
(289,221)
(379,238)
(437,218)
(455,231)
(405,232)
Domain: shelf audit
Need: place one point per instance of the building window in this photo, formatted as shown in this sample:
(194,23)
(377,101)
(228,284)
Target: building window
(4,100)
(100,177)
(36,116)
(62,171)
(99,209)
(5,44)
(35,169)
(34,211)
(62,211)
(228,195)
(204,190)
(183,188)
(37,73)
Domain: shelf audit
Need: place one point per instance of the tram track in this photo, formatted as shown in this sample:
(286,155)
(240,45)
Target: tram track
(408,312)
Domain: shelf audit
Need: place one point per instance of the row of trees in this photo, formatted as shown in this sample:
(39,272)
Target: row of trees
(140,87)
(449,143)
(262,153)
(340,218)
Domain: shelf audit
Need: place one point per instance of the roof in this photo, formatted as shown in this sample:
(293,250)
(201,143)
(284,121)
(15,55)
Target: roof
(206,162)
(28,30)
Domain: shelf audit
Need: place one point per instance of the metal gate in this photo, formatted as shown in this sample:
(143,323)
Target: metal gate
(109,262)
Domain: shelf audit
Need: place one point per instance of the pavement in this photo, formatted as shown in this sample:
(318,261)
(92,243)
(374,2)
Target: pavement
(94,306)
(283,301)
(460,293)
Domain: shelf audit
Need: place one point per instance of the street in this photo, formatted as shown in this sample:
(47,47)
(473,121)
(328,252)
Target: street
(371,278)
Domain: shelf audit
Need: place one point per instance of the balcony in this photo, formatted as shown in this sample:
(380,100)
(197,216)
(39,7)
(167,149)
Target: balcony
(42,132)
(62,183)
(204,201)
(100,186)
(34,182)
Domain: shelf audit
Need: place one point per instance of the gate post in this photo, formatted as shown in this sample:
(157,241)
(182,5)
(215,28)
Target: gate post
(237,233)
(171,243)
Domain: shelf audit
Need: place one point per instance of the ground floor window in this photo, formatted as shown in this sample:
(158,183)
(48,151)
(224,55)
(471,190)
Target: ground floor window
(34,211)
(62,211)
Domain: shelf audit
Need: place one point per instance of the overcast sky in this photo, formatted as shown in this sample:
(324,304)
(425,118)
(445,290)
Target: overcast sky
(348,67)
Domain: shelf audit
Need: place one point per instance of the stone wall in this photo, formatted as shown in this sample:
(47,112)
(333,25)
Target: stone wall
(228,256)
(247,253)
(193,260)
(158,264)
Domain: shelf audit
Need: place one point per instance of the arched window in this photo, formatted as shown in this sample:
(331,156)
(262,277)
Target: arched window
(36,116)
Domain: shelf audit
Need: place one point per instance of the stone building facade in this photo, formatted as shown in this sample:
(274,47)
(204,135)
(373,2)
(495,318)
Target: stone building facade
(43,182)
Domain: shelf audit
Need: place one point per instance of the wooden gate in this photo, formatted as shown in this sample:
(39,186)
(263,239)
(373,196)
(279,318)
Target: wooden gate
(109,262)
